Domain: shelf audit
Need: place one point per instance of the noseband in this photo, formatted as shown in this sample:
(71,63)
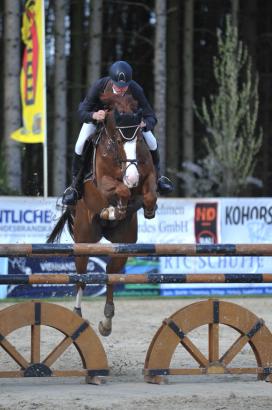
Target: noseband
(137,127)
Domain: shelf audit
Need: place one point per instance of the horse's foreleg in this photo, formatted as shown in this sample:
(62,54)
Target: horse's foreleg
(114,266)
(119,211)
(149,197)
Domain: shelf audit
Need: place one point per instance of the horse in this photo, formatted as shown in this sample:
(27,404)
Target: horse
(123,181)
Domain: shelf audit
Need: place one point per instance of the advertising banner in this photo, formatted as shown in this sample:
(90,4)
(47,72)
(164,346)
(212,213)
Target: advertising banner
(220,220)
(174,222)
(226,220)
(246,220)
(27,220)
(31,220)
(31,78)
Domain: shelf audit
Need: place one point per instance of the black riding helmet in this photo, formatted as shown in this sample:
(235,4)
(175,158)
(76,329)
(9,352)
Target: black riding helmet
(121,73)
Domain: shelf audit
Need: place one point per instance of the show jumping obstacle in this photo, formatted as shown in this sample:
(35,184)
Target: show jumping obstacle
(98,249)
(76,331)
(173,332)
(115,278)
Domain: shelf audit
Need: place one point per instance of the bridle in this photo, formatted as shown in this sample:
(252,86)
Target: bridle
(120,130)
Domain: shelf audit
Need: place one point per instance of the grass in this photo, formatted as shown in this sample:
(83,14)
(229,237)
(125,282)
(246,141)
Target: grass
(139,297)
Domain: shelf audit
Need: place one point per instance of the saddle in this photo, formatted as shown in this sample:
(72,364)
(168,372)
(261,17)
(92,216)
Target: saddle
(89,154)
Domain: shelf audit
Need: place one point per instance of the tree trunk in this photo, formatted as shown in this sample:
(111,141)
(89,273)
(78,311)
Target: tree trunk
(60,144)
(160,78)
(95,41)
(12,112)
(77,61)
(188,79)
(173,92)
(235,12)
(1,70)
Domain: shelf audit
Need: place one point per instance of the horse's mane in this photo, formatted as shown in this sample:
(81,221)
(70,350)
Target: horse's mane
(123,103)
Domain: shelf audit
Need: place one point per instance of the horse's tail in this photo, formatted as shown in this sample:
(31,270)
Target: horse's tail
(66,217)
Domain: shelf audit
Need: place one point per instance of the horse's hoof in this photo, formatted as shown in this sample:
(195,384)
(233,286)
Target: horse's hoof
(149,214)
(77,311)
(104,331)
(112,214)
(108,214)
(120,212)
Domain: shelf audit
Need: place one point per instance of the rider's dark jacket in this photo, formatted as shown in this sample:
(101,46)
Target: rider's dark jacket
(92,103)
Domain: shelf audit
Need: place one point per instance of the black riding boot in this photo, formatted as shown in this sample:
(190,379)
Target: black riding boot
(164,184)
(74,192)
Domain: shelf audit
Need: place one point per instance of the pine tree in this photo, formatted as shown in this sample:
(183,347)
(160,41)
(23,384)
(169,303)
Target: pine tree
(229,116)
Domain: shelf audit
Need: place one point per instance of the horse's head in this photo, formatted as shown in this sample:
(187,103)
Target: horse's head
(122,103)
(123,114)
(124,121)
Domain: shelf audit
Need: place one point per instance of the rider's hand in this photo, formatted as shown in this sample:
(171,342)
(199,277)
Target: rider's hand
(99,115)
(143,124)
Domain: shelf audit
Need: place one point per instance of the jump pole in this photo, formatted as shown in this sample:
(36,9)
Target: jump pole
(103,278)
(117,250)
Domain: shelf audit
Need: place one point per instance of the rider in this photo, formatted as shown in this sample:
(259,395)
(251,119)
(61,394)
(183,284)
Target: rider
(92,111)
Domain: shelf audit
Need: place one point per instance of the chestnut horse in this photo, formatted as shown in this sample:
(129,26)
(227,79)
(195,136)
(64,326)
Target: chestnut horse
(123,180)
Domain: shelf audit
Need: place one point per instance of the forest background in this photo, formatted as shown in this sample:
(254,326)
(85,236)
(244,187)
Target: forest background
(171,45)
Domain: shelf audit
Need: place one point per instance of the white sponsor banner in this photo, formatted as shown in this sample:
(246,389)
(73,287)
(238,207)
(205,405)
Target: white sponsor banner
(242,220)
(31,219)
(27,219)
(239,220)
(174,223)
(246,220)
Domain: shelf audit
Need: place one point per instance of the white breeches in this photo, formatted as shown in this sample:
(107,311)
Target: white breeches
(85,132)
(89,129)
(150,140)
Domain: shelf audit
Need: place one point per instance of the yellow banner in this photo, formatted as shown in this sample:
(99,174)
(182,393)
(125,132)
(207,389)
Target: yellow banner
(31,78)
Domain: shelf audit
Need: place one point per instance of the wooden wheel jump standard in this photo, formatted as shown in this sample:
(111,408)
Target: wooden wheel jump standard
(174,331)
(76,330)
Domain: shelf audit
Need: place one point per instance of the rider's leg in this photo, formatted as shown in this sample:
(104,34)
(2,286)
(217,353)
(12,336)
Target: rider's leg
(73,192)
(165,186)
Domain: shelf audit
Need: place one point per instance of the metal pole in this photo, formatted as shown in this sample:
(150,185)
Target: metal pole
(117,250)
(45,159)
(153,278)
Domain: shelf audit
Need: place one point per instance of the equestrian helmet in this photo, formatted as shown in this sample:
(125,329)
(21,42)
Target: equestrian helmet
(121,73)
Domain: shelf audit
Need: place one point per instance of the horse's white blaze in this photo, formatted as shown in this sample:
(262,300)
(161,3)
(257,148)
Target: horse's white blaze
(131,177)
